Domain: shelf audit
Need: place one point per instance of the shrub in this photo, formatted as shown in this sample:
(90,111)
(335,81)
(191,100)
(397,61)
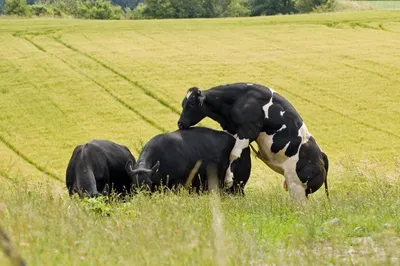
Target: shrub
(69,7)
(137,13)
(17,7)
(306,6)
(238,8)
(271,7)
(98,9)
(40,10)
(329,6)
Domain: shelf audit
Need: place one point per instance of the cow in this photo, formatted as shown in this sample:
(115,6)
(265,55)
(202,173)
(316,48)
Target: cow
(167,160)
(253,112)
(98,167)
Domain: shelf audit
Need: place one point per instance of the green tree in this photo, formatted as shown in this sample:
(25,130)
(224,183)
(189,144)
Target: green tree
(98,9)
(16,7)
(137,13)
(188,8)
(271,7)
(306,6)
(238,8)
(158,9)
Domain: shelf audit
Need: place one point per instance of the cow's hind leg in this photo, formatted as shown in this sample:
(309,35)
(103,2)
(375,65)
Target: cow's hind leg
(297,189)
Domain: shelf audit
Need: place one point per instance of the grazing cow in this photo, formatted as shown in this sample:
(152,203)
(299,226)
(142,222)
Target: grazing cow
(167,159)
(98,166)
(252,112)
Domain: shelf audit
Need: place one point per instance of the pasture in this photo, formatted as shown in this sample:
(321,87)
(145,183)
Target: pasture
(64,82)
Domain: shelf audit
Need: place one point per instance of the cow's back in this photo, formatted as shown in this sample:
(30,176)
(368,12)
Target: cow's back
(116,157)
(97,163)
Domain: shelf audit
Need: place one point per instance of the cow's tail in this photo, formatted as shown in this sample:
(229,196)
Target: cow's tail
(326,166)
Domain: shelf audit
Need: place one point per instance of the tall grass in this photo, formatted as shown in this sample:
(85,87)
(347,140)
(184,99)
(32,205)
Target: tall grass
(358,225)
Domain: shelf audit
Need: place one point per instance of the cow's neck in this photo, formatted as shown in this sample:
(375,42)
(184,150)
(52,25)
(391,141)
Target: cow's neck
(218,105)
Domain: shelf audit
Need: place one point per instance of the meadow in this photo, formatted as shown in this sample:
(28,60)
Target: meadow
(64,82)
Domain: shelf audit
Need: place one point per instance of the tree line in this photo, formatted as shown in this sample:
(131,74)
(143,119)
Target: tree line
(159,9)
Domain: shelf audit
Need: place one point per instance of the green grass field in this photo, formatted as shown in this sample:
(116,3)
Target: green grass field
(64,82)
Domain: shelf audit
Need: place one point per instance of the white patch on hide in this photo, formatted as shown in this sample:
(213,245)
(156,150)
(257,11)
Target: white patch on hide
(304,134)
(228,181)
(240,144)
(266,108)
(269,104)
(282,112)
(282,128)
(188,94)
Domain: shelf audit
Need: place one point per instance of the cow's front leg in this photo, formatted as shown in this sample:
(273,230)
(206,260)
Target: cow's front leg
(244,137)
(240,145)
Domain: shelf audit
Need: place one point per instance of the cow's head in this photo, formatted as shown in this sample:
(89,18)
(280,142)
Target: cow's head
(192,108)
(141,177)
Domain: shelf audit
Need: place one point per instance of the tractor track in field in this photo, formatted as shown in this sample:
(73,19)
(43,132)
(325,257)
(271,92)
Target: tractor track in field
(121,75)
(28,160)
(107,90)
(31,161)
(114,96)
(6,176)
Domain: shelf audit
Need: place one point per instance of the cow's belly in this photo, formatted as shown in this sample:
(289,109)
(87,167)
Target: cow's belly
(276,161)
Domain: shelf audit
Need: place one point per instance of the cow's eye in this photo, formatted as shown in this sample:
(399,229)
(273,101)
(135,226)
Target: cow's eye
(192,104)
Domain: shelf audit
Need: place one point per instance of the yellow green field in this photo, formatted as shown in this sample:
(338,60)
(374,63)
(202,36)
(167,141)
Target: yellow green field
(64,82)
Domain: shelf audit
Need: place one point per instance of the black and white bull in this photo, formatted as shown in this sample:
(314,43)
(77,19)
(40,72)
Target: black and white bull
(98,167)
(167,159)
(252,112)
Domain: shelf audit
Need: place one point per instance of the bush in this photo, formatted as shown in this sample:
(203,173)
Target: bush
(238,8)
(329,6)
(158,9)
(57,12)
(17,7)
(99,9)
(40,10)
(306,6)
(271,7)
(69,7)
(137,13)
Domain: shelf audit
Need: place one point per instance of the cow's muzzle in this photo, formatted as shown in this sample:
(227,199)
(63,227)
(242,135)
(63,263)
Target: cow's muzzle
(180,125)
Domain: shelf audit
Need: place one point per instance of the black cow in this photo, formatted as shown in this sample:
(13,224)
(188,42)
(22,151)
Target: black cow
(167,159)
(252,112)
(98,167)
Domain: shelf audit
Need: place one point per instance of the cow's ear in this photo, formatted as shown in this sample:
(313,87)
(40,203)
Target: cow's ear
(202,97)
(154,169)
(129,166)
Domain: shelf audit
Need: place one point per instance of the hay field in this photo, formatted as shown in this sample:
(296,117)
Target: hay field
(64,82)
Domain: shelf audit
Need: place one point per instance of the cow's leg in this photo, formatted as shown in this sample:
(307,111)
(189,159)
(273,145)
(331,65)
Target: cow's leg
(297,190)
(240,145)
(246,134)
